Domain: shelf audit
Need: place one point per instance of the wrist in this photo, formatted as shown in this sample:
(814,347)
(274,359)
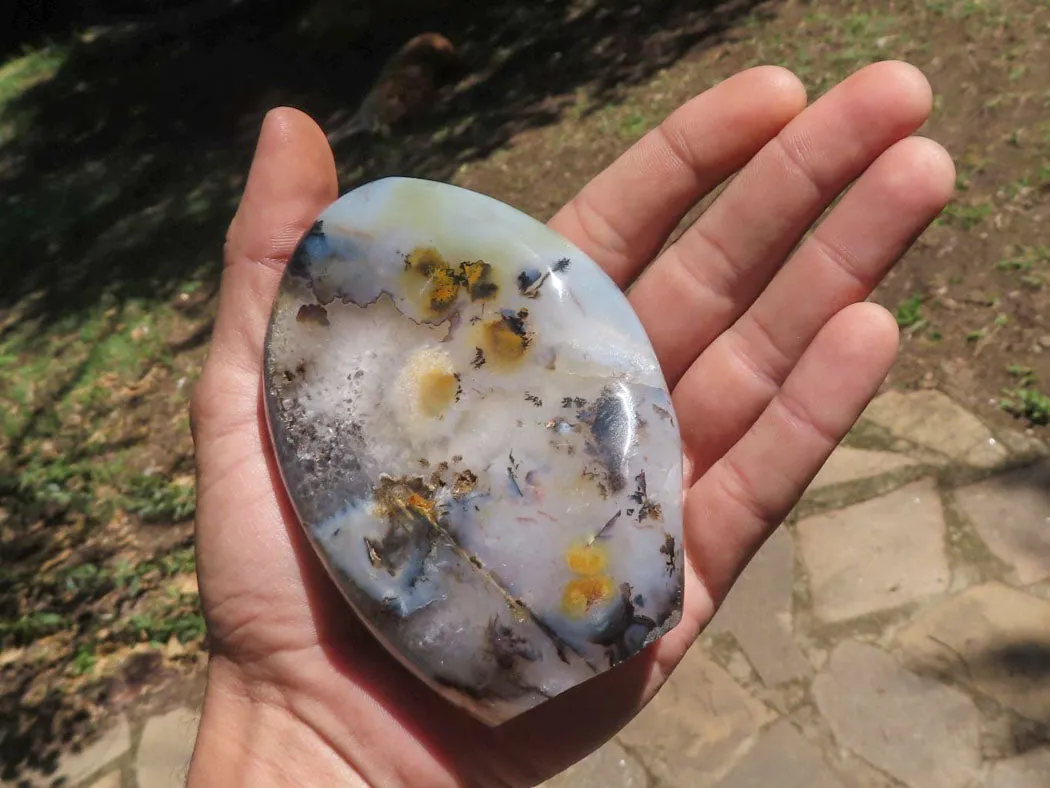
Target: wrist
(248,736)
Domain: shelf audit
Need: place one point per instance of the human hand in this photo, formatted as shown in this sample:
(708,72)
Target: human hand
(769,353)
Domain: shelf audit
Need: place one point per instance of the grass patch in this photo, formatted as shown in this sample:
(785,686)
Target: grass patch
(1027,403)
(909,312)
(171,611)
(29,627)
(633,126)
(1025,375)
(33,67)
(134,576)
(964,216)
(1033,281)
(962,9)
(160,624)
(157,499)
(83,661)
(1026,259)
(1043,174)
(86,580)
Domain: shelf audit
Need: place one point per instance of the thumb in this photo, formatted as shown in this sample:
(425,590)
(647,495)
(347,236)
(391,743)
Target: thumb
(292,179)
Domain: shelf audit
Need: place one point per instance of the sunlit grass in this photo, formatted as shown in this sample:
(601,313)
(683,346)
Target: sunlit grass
(21,73)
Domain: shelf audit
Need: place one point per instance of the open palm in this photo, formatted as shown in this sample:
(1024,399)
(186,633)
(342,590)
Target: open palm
(765,343)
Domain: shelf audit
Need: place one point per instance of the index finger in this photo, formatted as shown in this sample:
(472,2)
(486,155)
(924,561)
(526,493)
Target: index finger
(622,217)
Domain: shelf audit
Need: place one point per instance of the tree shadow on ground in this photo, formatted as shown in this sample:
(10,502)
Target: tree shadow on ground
(123,169)
(992,644)
(1017,674)
(1014,673)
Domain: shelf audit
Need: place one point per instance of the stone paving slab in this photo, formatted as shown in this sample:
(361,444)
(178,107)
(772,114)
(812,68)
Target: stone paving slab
(758,613)
(993,638)
(1025,446)
(691,734)
(610,766)
(1030,770)
(111,780)
(784,759)
(920,731)
(1011,512)
(115,742)
(876,555)
(851,465)
(164,753)
(932,420)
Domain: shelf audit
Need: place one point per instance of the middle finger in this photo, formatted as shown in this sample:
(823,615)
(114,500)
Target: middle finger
(707,278)
(735,378)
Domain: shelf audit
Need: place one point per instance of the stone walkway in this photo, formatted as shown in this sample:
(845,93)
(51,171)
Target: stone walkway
(895,633)
(154,753)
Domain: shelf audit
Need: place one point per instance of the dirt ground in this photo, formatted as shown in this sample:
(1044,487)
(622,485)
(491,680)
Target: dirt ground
(112,236)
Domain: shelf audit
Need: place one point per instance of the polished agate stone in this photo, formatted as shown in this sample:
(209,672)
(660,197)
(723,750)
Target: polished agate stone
(475,432)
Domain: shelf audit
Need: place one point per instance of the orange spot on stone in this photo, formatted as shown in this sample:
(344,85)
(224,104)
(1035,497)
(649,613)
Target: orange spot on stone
(583,593)
(437,390)
(586,559)
(430,281)
(505,339)
(421,505)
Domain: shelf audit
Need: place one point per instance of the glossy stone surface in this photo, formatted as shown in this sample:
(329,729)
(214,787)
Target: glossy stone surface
(476,435)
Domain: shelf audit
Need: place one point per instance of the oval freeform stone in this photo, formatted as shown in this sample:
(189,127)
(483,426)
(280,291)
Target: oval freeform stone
(475,432)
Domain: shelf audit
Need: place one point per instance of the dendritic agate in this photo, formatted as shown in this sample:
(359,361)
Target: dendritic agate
(475,433)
